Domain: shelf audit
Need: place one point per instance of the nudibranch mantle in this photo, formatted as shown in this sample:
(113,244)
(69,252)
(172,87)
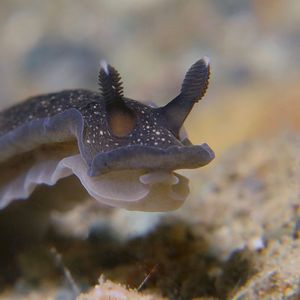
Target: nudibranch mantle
(123,152)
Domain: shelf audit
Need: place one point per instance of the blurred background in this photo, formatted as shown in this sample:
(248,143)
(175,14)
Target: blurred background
(254,48)
(254,92)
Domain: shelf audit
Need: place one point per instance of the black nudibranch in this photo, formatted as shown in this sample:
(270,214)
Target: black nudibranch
(123,152)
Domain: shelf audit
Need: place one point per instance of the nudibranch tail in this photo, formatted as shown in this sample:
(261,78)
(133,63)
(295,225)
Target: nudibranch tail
(193,88)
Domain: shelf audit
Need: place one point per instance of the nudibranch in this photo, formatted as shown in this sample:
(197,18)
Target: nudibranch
(123,152)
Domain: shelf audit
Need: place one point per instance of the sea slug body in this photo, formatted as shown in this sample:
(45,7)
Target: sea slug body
(123,152)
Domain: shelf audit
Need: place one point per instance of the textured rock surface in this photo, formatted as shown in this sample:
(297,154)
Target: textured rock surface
(237,237)
(106,290)
(243,224)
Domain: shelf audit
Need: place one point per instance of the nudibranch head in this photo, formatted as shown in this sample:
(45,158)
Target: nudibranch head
(146,141)
(146,137)
(124,152)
